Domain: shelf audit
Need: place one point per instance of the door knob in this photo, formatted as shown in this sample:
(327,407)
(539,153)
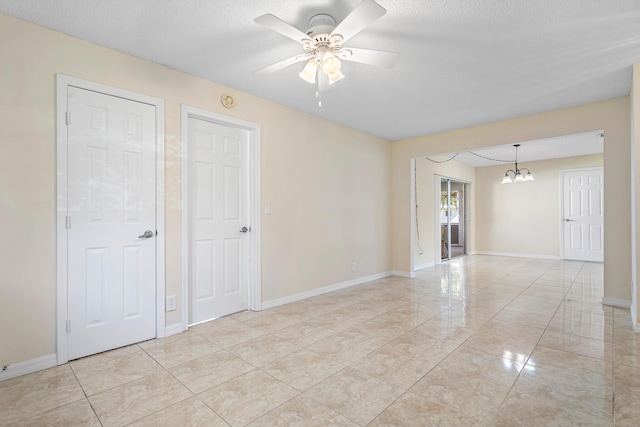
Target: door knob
(147,234)
(244,229)
(569,220)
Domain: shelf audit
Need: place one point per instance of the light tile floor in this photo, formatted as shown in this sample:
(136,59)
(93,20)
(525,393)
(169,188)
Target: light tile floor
(478,341)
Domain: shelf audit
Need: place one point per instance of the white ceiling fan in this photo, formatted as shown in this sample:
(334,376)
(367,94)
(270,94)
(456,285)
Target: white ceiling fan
(323,44)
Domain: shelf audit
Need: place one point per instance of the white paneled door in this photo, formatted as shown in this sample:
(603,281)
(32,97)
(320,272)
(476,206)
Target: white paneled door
(111,223)
(583,220)
(218,219)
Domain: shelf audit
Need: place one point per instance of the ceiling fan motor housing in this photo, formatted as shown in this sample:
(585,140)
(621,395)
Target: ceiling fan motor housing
(321,24)
(320,28)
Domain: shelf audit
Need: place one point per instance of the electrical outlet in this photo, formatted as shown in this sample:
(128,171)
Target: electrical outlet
(171,303)
(353,267)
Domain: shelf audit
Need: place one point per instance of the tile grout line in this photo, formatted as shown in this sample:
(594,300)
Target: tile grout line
(537,343)
(473,288)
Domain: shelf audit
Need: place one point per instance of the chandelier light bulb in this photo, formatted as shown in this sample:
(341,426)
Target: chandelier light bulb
(308,73)
(335,77)
(330,64)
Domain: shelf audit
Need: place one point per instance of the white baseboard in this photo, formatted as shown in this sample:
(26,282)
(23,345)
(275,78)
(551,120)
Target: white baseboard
(403,273)
(511,254)
(320,291)
(29,366)
(51,360)
(423,266)
(174,329)
(615,302)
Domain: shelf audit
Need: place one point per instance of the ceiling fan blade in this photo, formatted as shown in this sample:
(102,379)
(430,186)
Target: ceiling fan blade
(378,58)
(279,26)
(282,64)
(362,16)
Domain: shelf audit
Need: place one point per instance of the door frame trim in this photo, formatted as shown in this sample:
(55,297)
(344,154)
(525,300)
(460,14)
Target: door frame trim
(63,82)
(254,203)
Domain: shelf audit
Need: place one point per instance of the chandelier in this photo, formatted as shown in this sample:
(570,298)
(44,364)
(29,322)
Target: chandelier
(516,175)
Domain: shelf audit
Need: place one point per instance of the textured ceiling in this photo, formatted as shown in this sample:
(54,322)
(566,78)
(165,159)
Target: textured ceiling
(462,62)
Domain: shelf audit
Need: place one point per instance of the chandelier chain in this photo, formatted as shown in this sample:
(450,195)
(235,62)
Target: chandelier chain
(475,154)
(492,159)
(442,161)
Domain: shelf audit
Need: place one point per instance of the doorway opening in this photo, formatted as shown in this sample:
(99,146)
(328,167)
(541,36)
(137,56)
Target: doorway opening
(221,216)
(452,218)
(109,218)
(583,214)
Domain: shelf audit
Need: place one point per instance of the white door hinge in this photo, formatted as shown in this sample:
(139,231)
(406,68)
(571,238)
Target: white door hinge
(68,326)
(67,222)
(67,118)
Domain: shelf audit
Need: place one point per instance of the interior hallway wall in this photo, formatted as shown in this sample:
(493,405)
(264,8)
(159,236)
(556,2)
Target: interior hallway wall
(428,222)
(525,218)
(328,185)
(611,116)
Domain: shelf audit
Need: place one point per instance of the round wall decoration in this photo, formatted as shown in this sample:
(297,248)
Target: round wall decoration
(227,101)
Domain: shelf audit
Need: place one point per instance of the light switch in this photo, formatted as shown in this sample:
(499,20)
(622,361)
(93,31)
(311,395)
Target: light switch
(267,209)
(170,303)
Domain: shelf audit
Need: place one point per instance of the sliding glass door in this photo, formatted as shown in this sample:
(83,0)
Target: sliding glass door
(452,218)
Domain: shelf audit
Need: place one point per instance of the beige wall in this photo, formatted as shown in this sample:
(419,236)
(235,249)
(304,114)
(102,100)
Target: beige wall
(428,222)
(612,116)
(328,186)
(635,161)
(523,218)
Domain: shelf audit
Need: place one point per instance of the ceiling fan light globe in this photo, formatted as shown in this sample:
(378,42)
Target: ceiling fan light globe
(335,77)
(528,177)
(308,73)
(506,179)
(519,178)
(330,63)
